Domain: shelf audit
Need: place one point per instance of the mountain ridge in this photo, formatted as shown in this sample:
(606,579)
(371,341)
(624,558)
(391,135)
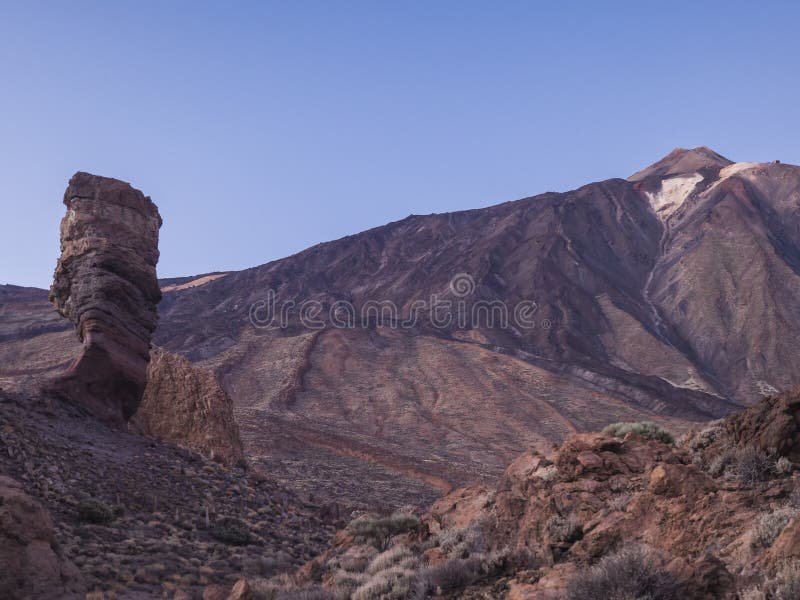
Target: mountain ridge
(641,314)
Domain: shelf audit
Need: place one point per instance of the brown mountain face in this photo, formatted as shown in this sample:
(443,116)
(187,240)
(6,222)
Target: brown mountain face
(670,296)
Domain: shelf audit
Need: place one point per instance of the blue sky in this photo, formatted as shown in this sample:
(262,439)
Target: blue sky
(263,128)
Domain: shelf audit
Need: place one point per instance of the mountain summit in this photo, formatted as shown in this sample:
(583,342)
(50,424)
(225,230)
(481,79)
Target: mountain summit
(682,162)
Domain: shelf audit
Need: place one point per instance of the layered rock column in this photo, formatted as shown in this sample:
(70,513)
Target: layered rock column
(105,283)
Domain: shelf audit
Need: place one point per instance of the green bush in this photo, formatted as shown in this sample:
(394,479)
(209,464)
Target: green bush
(94,511)
(645,429)
(232,532)
(632,574)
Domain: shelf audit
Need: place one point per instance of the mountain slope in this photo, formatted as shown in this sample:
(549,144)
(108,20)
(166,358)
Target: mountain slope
(670,296)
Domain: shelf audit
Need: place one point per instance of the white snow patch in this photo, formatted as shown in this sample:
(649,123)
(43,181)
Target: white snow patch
(732,170)
(673,194)
(736,168)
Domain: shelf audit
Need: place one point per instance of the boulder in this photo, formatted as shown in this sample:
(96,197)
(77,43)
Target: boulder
(185,405)
(30,564)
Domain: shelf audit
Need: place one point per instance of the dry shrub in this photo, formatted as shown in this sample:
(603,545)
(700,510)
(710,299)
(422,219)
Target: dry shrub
(646,429)
(770,525)
(630,574)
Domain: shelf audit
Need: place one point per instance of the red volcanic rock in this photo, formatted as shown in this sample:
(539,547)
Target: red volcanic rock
(772,425)
(615,493)
(105,283)
(185,405)
(29,564)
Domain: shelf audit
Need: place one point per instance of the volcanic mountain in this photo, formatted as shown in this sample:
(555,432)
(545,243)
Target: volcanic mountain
(391,364)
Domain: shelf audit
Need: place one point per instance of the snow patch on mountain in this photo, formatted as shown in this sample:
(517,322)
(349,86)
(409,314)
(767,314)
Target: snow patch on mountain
(673,193)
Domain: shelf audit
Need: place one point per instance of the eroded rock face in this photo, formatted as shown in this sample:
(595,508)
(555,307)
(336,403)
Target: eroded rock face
(773,425)
(105,283)
(30,566)
(186,406)
(615,493)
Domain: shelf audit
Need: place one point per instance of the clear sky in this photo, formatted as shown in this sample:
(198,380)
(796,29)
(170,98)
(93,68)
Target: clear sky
(263,128)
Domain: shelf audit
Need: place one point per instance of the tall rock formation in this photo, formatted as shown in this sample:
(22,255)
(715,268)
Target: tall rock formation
(105,283)
(185,405)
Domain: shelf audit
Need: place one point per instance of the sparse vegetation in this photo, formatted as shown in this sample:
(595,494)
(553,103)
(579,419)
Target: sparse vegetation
(232,532)
(547,473)
(720,463)
(783,466)
(95,512)
(263,590)
(461,543)
(395,583)
(400,572)
(455,573)
(752,465)
(397,556)
(706,436)
(784,585)
(379,529)
(749,465)
(794,498)
(646,429)
(619,502)
(632,573)
(563,530)
(770,525)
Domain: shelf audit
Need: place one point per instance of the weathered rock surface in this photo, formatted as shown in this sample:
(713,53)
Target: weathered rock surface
(552,518)
(772,425)
(30,565)
(185,405)
(105,283)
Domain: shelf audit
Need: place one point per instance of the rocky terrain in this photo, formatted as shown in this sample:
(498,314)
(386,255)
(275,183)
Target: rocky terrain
(626,513)
(664,303)
(105,283)
(140,518)
(32,564)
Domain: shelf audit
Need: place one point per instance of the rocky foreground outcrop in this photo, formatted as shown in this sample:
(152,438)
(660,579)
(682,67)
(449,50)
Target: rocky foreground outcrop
(105,283)
(716,515)
(30,564)
(185,405)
